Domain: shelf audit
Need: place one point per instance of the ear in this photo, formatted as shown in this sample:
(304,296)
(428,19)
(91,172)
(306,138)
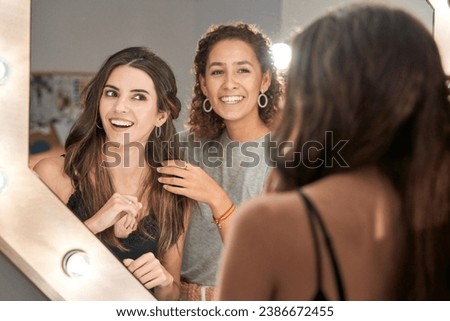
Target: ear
(266,80)
(162,118)
(202,83)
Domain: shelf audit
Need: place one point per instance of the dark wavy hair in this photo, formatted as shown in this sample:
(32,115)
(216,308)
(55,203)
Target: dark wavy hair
(86,139)
(210,125)
(372,76)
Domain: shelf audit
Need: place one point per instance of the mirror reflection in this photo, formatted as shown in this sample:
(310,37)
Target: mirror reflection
(70,40)
(64,59)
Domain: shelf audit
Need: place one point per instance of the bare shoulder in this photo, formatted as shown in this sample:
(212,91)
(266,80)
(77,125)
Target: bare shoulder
(51,172)
(269,210)
(49,164)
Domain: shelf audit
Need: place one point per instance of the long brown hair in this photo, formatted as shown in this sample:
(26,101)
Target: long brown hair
(210,125)
(372,77)
(85,142)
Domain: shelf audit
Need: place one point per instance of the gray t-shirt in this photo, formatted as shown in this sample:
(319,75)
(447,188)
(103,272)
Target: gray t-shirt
(241,170)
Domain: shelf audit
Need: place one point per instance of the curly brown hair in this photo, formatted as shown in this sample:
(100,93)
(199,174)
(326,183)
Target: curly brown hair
(210,125)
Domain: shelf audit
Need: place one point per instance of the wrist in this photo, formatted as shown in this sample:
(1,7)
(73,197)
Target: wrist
(92,225)
(220,204)
(223,217)
(168,282)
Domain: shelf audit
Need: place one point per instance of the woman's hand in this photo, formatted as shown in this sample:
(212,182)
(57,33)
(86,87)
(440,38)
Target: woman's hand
(149,271)
(121,209)
(125,226)
(191,181)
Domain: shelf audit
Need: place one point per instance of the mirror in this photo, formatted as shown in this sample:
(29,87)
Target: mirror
(73,38)
(39,237)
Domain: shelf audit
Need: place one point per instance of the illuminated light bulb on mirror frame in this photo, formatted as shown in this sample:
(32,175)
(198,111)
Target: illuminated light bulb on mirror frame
(76,263)
(3,71)
(281,55)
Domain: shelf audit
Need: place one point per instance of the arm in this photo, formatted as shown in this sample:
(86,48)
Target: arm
(193,182)
(117,209)
(246,264)
(121,211)
(51,173)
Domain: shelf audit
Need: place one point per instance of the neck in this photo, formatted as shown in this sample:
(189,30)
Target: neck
(128,167)
(128,180)
(125,156)
(243,132)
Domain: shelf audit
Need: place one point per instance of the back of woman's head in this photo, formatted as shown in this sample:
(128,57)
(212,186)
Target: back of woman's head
(209,125)
(366,87)
(371,77)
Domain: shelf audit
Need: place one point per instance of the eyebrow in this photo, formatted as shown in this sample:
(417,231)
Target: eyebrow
(133,90)
(239,63)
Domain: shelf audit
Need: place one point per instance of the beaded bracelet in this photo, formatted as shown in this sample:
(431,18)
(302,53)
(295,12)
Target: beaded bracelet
(224,216)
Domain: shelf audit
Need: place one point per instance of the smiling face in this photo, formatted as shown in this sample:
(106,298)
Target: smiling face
(233,80)
(128,106)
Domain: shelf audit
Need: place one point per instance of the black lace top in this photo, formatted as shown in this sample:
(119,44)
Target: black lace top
(136,243)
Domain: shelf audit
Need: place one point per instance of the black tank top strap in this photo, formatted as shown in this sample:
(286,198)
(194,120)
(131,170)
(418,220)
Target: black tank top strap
(316,220)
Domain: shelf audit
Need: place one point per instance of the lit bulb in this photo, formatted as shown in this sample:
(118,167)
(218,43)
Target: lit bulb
(76,263)
(281,55)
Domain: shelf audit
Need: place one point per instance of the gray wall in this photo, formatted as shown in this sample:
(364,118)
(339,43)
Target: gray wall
(15,286)
(69,35)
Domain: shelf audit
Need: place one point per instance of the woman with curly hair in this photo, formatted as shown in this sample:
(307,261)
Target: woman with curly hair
(369,220)
(107,176)
(236,96)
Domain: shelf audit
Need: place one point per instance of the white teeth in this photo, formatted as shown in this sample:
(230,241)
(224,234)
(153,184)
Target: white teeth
(121,123)
(231,99)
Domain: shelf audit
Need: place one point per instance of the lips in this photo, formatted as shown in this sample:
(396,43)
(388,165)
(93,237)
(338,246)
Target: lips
(121,123)
(231,99)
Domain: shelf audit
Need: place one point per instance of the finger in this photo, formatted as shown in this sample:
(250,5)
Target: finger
(127,262)
(175,163)
(152,279)
(130,199)
(172,171)
(177,190)
(143,264)
(130,209)
(129,222)
(173,181)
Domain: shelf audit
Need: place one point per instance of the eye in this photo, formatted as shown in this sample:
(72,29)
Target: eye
(140,97)
(243,70)
(216,72)
(110,93)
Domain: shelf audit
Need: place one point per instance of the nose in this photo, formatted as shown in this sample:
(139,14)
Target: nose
(230,81)
(121,106)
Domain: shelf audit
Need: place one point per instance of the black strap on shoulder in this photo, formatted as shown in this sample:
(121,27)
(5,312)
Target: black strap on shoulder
(316,244)
(314,216)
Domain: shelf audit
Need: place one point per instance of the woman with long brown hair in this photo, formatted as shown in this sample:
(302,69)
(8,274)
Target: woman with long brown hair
(359,202)
(107,176)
